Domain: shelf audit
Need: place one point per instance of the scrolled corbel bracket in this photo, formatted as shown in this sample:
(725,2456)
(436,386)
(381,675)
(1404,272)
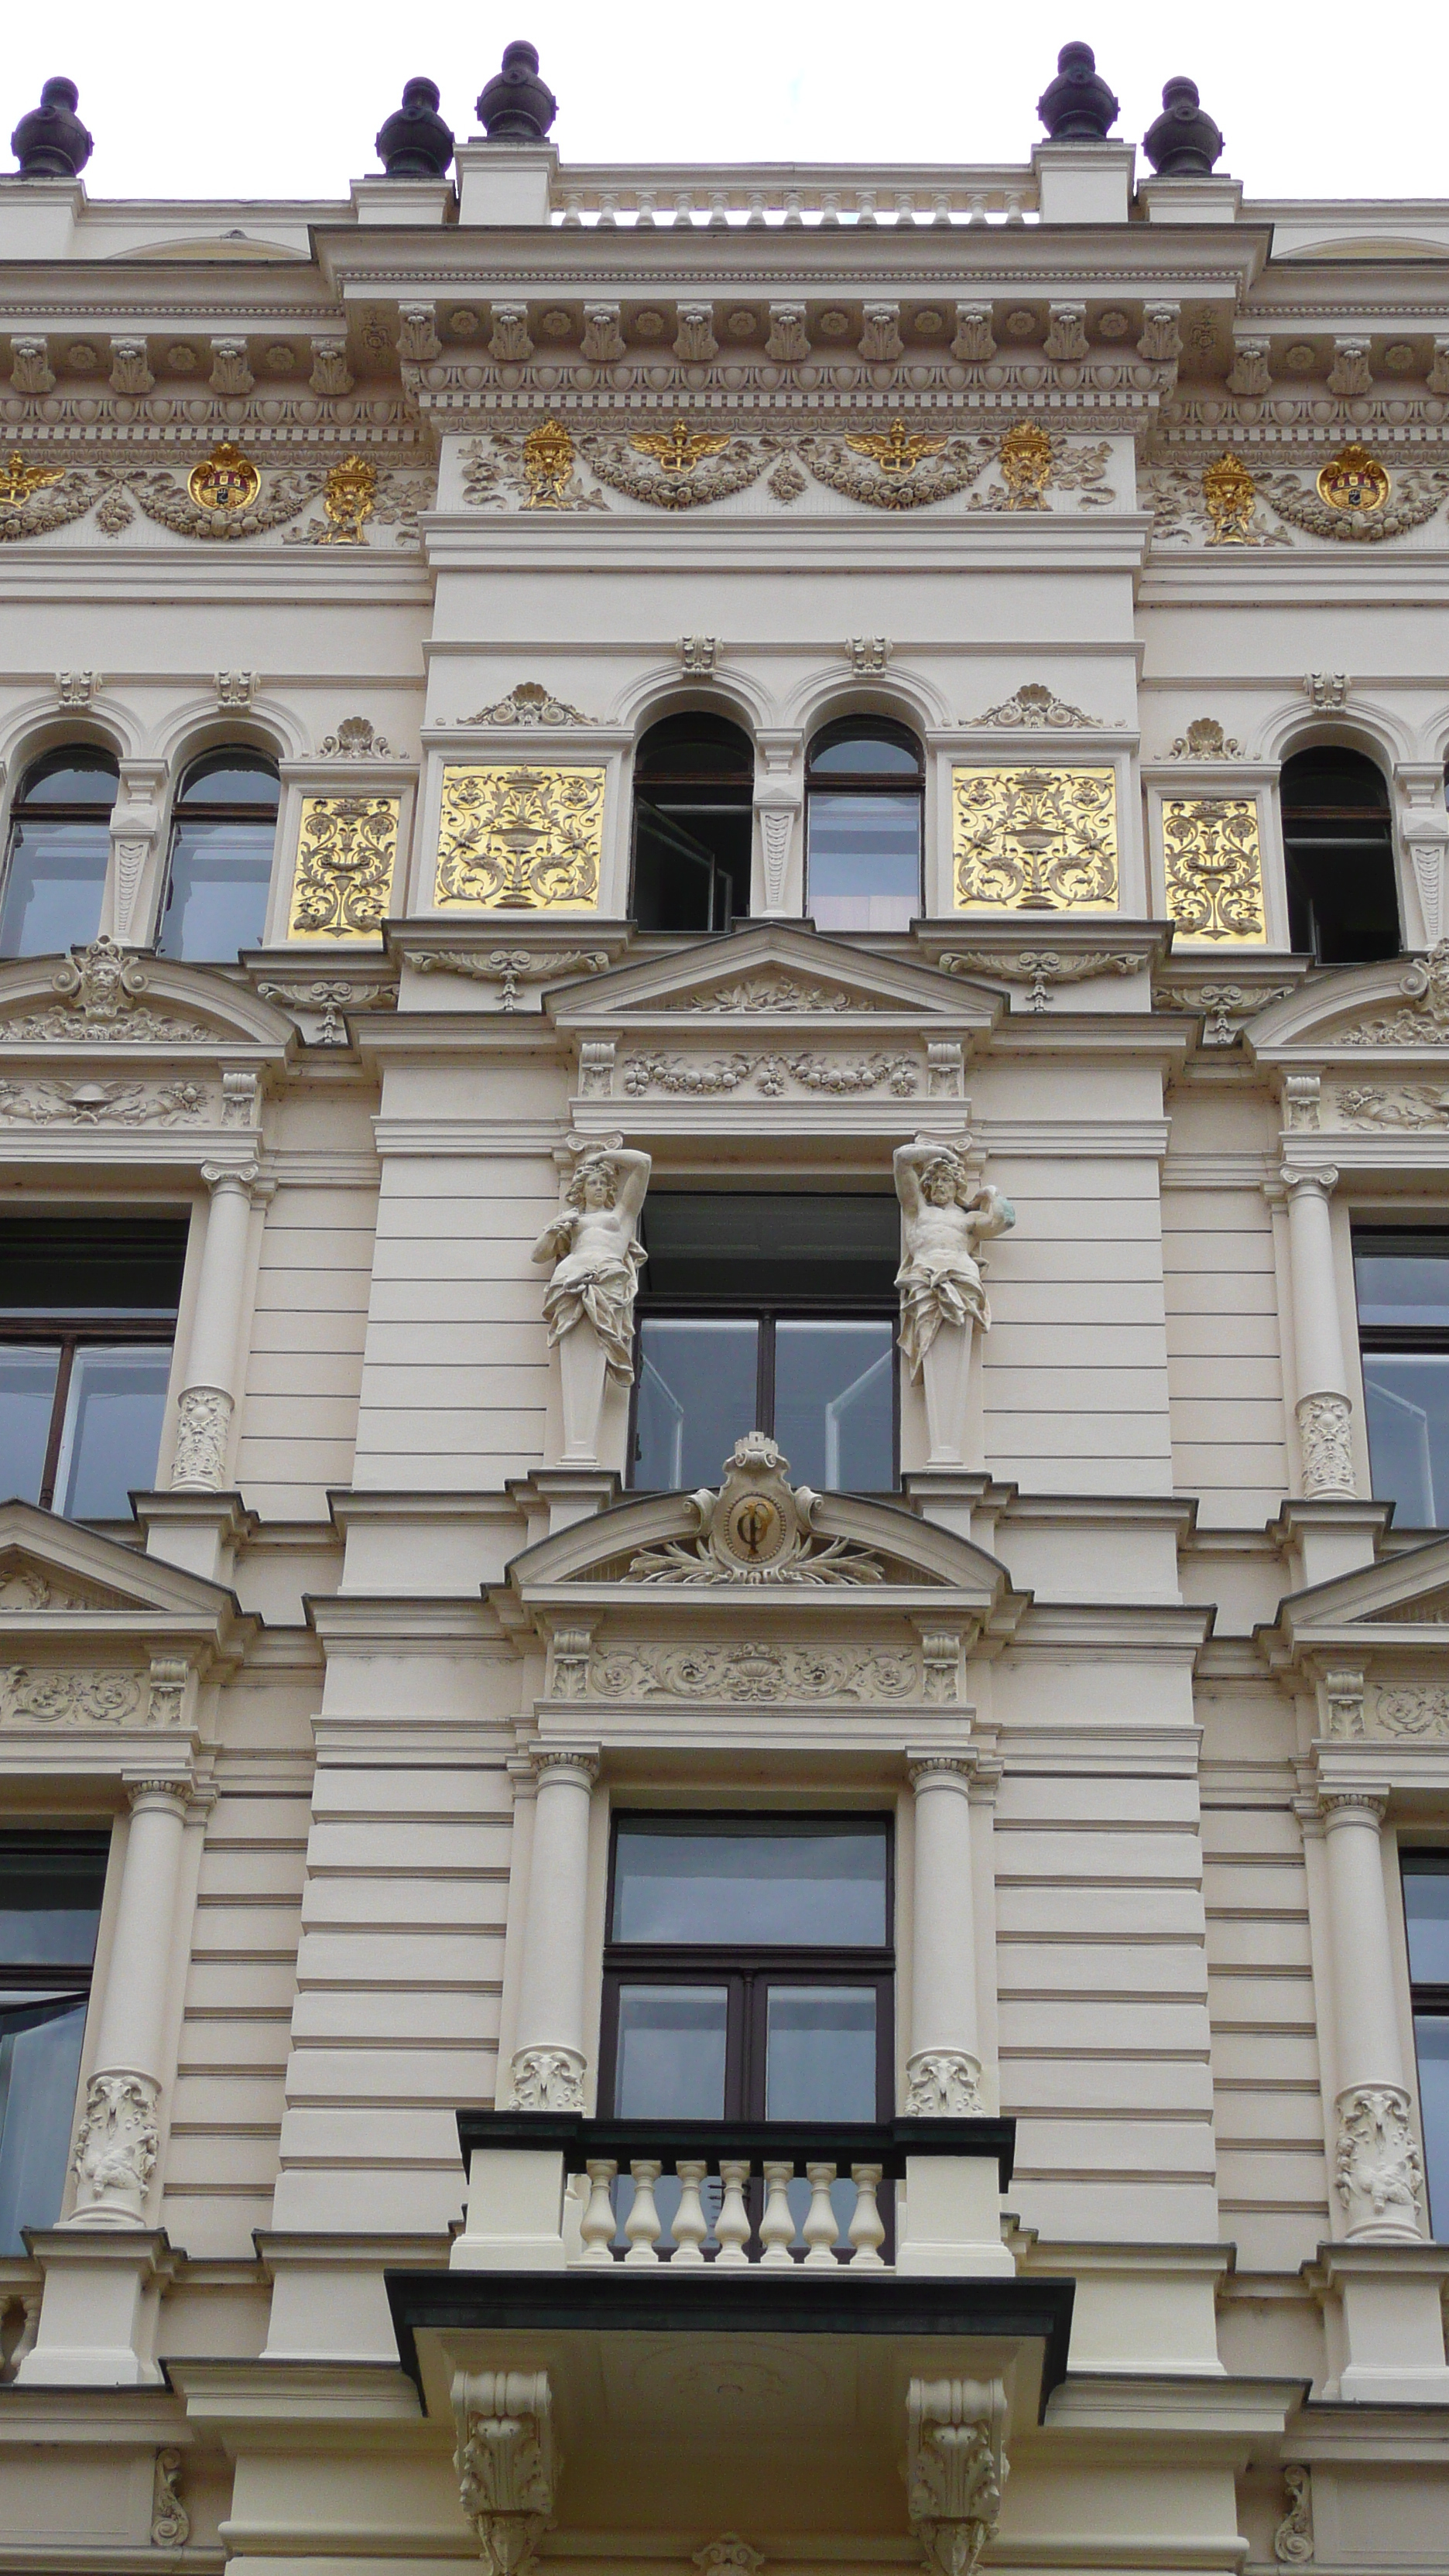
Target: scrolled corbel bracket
(956,2467)
(507,2465)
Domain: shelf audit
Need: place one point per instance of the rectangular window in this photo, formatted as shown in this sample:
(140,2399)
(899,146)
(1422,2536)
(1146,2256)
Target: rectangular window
(1426,1917)
(50,1905)
(768,1312)
(1403,1316)
(87,1323)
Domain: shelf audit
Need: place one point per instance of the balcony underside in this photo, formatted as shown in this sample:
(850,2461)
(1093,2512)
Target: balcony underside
(786,2394)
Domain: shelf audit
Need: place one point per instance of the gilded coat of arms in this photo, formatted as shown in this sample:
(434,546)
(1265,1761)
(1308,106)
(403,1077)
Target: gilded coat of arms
(224,480)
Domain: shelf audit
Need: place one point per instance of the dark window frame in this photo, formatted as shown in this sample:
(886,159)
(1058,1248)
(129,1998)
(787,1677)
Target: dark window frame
(766,1312)
(66,1329)
(748,1970)
(868,782)
(240,755)
(727,789)
(1329,827)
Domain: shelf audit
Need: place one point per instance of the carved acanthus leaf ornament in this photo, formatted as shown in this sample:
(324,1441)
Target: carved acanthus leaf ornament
(1423,1021)
(506,2464)
(955,2469)
(751,1674)
(705,1077)
(521,837)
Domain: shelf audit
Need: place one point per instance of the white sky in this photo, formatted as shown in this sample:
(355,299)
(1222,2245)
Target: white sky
(284,97)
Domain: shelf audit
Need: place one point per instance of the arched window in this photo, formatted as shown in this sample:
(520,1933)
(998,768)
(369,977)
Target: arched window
(222,837)
(1343,903)
(694,784)
(60,848)
(863,826)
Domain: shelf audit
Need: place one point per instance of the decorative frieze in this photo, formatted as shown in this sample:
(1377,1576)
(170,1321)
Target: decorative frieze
(773,1076)
(1213,867)
(751,1674)
(520,837)
(67,1695)
(1041,840)
(104,1104)
(343,875)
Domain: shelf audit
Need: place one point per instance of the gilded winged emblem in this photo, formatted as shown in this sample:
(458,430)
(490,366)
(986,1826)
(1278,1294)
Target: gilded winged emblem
(678,449)
(897,449)
(18,480)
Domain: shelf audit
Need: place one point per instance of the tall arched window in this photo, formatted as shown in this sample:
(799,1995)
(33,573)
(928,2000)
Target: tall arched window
(222,838)
(60,848)
(694,784)
(1338,841)
(863,826)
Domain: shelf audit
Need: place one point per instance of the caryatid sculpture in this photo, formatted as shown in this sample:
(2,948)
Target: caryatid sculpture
(594,1245)
(948,1215)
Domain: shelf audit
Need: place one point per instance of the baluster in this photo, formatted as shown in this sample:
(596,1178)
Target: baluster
(777,2227)
(719,216)
(978,210)
(756,215)
(683,209)
(642,2226)
(867,2228)
(644,219)
(689,2226)
(941,208)
(905,209)
(732,2227)
(794,211)
(608,215)
(830,207)
(1014,213)
(820,2229)
(865,206)
(596,2227)
(573,210)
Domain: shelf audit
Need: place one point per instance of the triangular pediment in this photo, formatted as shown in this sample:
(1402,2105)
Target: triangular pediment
(774,971)
(1400,1005)
(55,1571)
(106,997)
(1398,1594)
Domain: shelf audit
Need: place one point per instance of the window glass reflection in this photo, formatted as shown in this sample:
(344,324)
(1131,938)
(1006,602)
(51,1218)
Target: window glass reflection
(27,1398)
(1403,1288)
(1406,1403)
(864,861)
(1426,1915)
(750,1884)
(697,1396)
(1431,2041)
(40,2048)
(222,847)
(112,1429)
(835,1404)
(820,2053)
(60,847)
(671,2052)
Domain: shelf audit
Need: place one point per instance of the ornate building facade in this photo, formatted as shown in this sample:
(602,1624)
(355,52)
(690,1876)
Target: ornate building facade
(724,1364)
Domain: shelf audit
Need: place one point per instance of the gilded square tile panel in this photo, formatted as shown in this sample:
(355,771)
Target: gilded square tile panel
(346,855)
(1214,869)
(521,837)
(1034,840)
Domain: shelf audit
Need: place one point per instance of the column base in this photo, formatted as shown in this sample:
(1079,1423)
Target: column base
(1384,2314)
(951,2219)
(99,2307)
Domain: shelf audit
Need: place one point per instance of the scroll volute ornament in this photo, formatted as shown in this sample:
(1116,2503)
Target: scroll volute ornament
(956,2468)
(346,855)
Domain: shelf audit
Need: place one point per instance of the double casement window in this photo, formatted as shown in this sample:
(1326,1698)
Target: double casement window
(1426,1918)
(87,1323)
(219,863)
(50,1906)
(767,1312)
(749,1968)
(1403,1318)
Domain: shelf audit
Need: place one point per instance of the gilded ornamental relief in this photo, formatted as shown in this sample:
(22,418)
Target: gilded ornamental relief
(1213,870)
(1034,840)
(342,878)
(517,836)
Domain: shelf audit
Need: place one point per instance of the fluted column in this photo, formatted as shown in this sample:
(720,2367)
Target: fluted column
(115,2153)
(943,2072)
(208,1399)
(1323,1409)
(550,2060)
(1378,2175)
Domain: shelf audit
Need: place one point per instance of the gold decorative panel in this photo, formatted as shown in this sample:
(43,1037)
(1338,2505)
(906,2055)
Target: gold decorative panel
(1214,868)
(346,854)
(1034,840)
(521,838)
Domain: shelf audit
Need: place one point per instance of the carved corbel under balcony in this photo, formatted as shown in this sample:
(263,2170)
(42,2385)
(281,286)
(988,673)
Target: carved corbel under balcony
(955,2469)
(507,2469)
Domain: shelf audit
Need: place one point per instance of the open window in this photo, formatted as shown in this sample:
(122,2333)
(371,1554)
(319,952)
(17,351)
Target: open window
(766,1311)
(60,849)
(863,805)
(50,1906)
(223,835)
(87,1322)
(694,784)
(1338,841)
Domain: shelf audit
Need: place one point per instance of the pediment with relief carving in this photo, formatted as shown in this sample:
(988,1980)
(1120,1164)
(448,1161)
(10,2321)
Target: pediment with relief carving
(1398,1006)
(774,971)
(108,997)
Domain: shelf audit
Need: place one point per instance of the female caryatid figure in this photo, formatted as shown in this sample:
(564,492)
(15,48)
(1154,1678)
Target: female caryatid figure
(589,1305)
(947,1216)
